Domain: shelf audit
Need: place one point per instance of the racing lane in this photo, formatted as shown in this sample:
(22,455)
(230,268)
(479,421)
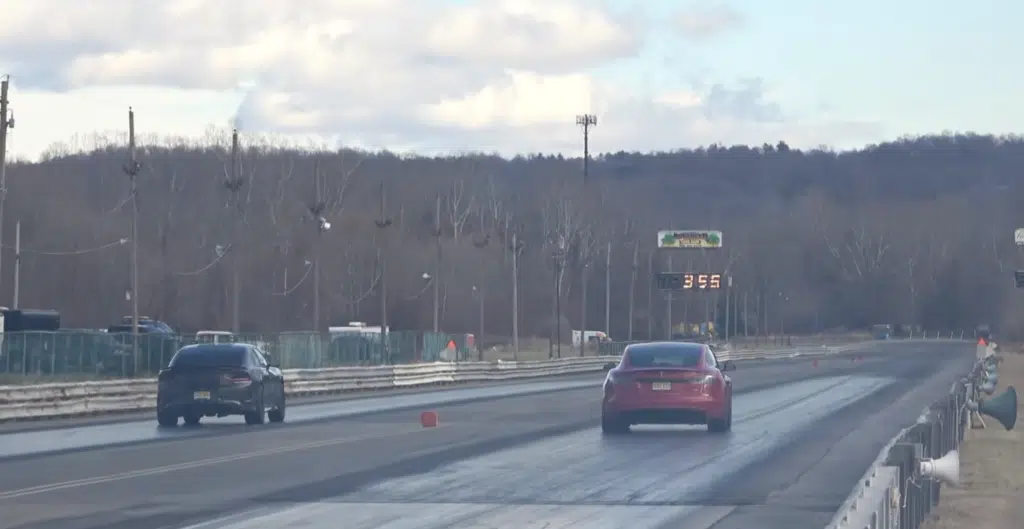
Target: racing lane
(32,438)
(524,461)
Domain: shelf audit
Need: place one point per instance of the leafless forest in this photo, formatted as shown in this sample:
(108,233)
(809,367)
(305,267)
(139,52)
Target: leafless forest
(917,231)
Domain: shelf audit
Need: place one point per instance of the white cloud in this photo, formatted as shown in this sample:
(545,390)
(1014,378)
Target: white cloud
(504,75)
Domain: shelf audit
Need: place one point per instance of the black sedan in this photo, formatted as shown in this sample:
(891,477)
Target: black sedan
(217,380)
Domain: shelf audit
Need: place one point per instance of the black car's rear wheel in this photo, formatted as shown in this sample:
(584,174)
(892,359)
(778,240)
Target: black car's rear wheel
(259,414)
(166,419)
(277,414)
(613,425)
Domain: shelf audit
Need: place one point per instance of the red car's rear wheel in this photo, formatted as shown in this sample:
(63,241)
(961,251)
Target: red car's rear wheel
(613,425)
(722,424)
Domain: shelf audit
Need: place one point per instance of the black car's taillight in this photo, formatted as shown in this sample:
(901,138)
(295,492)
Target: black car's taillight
(235,379)
(165,375)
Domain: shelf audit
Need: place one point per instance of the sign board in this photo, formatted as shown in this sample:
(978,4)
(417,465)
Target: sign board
(689,239)
(1018,236)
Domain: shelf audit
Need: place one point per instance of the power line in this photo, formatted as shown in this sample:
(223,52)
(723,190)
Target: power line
(69,253)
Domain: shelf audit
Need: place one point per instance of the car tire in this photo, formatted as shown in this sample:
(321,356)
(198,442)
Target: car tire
(167,419)
(192,420)
(277,414)
(613,426)
(722,425)
(258,415)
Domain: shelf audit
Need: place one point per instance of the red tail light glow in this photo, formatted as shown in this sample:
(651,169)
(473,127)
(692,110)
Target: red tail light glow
(235,380)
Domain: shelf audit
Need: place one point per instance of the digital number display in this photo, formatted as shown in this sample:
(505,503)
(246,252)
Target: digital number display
(689,281)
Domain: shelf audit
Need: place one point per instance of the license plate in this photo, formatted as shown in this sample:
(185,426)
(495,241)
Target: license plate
(201,395)
(661,386)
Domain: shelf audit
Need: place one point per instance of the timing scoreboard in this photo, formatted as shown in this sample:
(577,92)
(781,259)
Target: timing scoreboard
(689,281)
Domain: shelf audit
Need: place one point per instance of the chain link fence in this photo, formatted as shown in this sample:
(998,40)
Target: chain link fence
(94,354)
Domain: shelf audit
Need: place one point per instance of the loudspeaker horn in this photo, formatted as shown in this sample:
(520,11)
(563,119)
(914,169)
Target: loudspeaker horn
(1002,408)
(945,469)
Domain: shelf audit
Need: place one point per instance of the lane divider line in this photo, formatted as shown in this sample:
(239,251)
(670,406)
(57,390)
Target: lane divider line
(51,487)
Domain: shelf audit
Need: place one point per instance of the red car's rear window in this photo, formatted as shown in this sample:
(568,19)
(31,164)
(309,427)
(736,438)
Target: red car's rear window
(678,356)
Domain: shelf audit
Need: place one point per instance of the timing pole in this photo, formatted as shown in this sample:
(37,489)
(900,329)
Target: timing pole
(5,123)
(133,172)
(728,299)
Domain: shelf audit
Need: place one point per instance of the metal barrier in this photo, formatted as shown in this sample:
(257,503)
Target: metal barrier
(895,492)
(69,399)
(89,398)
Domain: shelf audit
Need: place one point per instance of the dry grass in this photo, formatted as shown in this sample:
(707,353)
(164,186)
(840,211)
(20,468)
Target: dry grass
(991,492)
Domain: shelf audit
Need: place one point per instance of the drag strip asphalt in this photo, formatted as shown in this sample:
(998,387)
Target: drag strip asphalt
(799,443)
(22,443)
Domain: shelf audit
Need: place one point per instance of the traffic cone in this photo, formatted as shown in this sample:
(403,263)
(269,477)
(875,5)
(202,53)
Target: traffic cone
(981,341)
(428,419)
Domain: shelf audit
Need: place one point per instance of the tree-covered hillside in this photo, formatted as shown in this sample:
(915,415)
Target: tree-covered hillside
(916,231)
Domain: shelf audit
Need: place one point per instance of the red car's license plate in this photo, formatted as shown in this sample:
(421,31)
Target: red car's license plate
(661,386)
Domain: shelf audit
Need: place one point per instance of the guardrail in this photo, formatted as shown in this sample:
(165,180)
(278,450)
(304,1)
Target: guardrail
(62,400)
(895,492)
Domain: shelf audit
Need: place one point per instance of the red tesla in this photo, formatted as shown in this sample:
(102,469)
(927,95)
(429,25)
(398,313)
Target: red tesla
(667,383)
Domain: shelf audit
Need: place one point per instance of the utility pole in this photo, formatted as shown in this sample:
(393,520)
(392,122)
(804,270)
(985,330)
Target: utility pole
(437,263)
(632,288)
(316,211)
(233,183)
(587,121)
(517,248)
(6,122)
(17,264)
(132,170)
(383,222)
(481,243)
(608,289)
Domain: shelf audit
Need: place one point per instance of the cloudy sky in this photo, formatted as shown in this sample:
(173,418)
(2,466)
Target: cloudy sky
(510,75)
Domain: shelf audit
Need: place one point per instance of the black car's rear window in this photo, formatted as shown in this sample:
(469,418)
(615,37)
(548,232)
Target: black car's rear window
(664,355)
(215,356)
